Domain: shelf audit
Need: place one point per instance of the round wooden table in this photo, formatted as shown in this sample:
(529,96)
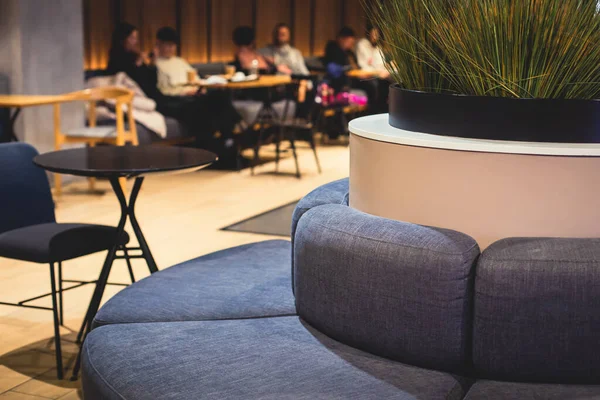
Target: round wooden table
(487,189)
(18,102)
(263,81)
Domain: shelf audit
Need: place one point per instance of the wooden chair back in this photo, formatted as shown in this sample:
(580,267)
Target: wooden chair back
(121,98)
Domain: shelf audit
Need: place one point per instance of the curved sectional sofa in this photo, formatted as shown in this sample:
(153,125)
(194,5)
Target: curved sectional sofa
(358,307)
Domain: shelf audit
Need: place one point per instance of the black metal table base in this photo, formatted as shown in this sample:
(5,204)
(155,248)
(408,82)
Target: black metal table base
(10,135)
(127,213)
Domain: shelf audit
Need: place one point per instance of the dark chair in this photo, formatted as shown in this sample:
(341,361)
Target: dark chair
(29,231)
(300,128)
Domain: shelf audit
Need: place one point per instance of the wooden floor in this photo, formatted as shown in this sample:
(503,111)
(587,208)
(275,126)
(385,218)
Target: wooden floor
(181,216)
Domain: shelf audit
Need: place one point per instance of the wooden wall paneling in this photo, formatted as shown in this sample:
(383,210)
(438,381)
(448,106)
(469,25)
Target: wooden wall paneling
(226,15)
(194,30)
(131,12)
(148,16)
(98,27)
(155,15)
(302,25)
(206,26)
(355,17)
(268,14)
(327,23)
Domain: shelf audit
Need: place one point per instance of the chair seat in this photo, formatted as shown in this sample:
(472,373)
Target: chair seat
(248,281)
(264,358)
(97,132)
(52,242)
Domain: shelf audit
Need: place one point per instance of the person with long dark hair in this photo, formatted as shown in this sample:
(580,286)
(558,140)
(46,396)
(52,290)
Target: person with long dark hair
(125,56)
(247,58)
(370,58)
(368,52)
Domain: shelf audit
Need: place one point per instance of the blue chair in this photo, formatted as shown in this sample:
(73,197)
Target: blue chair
(29,231)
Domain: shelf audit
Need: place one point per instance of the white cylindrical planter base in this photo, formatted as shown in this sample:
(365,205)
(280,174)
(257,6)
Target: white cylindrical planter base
(486,194)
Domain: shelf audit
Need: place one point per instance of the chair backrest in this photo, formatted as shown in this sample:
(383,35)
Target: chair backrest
(394,289)
(205,69)
(121,96)
(25,192)
(537,311)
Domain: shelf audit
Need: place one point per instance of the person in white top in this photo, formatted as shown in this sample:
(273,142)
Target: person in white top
(281,52)
(370,58)
(172,70)
(210,116)
(368,53)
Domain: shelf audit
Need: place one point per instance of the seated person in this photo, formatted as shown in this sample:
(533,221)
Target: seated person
(125,56)
(204,112)
(246,56)
(281,53)
(370,58)
(368,53)
(172,70)
(339,58)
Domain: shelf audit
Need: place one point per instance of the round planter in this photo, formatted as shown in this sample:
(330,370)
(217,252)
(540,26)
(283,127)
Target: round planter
(495,118)
(487,189)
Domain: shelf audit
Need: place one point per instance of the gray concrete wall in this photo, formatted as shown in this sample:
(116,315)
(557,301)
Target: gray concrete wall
(44,39)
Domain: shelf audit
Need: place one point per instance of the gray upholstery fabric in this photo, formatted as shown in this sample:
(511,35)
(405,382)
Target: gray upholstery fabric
(394,289)
(490,390)
(205,69)
(175,130)
(270,358)
(335,192)
(249,109)
(537,311)
(243,282)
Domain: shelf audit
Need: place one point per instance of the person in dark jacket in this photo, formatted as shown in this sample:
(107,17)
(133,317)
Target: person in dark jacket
(204,114)
(339,58)
(125,56)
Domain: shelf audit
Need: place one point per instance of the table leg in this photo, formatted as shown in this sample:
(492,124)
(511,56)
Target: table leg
(10,133)
(127,211)
(136,227)
(267,112)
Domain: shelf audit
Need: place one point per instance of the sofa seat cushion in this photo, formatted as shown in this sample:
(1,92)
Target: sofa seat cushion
(537,311)
(491,390)
(248,281)
(266,358)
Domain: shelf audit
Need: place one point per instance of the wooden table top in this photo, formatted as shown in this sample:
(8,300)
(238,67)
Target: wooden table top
(363,74)
(263,81)
(22,100)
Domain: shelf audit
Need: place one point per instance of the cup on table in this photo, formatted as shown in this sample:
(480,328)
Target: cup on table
(229,70)
(192,76)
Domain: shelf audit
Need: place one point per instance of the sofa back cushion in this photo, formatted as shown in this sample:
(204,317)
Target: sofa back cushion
(394,289)
(537,311)
(205,69)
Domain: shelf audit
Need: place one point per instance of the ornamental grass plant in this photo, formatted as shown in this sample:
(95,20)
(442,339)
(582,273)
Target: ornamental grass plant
(503,48)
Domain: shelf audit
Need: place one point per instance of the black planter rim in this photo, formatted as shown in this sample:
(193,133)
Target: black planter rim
(495,118)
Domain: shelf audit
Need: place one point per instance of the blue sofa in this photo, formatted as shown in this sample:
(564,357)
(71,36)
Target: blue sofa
(375,309)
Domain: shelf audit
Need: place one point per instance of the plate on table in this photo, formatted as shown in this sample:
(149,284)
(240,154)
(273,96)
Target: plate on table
(239,77)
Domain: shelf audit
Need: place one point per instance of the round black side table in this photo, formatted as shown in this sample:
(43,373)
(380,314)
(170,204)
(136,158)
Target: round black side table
(112,163)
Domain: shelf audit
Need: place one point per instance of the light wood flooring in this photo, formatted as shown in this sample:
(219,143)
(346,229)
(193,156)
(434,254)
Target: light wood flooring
(181,216)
